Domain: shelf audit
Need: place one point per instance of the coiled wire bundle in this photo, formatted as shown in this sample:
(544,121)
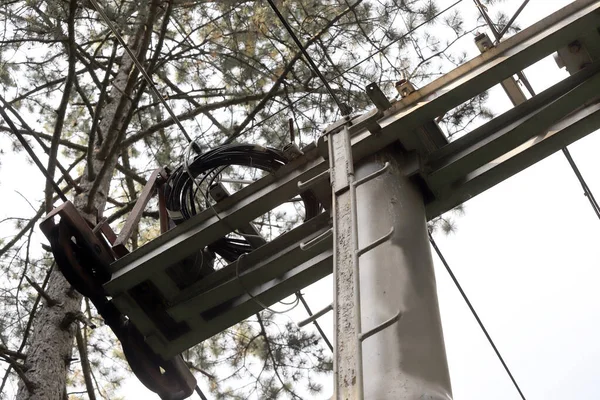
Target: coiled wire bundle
(204,170)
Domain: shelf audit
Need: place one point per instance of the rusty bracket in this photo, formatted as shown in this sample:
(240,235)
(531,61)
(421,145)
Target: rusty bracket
(156,179)
(83,255)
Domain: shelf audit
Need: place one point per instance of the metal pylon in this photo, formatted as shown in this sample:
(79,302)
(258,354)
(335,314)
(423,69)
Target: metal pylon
(409,379)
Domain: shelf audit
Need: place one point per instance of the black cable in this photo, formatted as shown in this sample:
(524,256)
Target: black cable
(182,187)
(199,391)
(354,65)
(510,22)
(498,36)
(310,314)
(35,159)
(586,190)
(344,109)
(464,295)
(141,69)
(487,19)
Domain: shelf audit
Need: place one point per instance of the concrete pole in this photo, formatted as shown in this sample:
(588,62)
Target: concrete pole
(407,360)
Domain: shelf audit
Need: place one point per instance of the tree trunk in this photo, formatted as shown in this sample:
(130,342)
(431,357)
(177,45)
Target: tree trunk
(51,345)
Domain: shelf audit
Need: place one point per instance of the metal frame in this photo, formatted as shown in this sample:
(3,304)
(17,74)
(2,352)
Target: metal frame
(448,173)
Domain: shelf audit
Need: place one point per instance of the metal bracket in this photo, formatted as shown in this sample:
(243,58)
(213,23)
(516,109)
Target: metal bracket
(378,97)
(339,124)
(136,214)
(404,87)
(367,121)
(73,241)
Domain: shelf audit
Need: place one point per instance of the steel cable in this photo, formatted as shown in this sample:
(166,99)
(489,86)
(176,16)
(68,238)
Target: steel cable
(512,20)
(466,299)
(31,153)
(344,109)
(140,68)
(358,63)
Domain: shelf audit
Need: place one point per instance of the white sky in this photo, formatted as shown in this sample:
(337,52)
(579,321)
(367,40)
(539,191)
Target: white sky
(526,253)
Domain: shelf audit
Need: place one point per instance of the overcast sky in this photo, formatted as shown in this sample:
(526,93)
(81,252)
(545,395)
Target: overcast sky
(526,252)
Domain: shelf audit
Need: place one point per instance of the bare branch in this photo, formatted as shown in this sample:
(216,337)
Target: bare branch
(62,108)
(85,364)
(12,353)
(49,300)
(287,69)
(97,112)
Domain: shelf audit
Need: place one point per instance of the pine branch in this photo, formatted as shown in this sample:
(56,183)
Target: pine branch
(64,102)
(85,364)
(113,141)
(49,300)
(12,353)
(71,317)
(191,114)
(22,232)
(19,369)
(131,173)
(283,75)
(272,357)
(37,137)
(45,136)
(97,112)
(46,85)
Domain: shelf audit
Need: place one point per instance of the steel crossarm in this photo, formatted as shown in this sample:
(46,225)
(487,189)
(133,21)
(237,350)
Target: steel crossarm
(450,173)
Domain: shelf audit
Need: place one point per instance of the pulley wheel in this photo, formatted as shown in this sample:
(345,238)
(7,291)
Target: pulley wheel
(171,379)
(76,261)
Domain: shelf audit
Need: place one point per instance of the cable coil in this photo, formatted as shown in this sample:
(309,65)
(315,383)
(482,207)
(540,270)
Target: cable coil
(185,183)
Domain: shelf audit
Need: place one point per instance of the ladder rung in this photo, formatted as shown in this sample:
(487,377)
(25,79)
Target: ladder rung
(372,175)
(376,243)
(316,240)
(379,327)
(315,316)
(313,180)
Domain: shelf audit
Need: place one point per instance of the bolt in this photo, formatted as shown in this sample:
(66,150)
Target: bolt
(574,47)
(584,65)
